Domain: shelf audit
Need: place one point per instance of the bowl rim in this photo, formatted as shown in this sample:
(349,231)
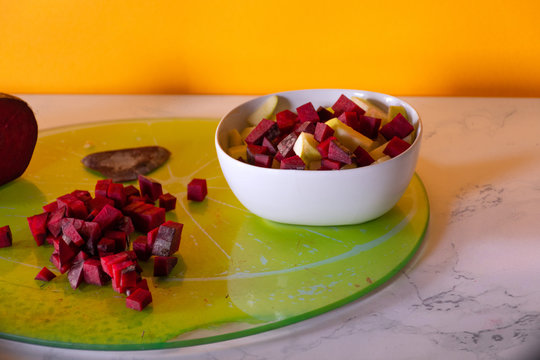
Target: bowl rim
(415,143)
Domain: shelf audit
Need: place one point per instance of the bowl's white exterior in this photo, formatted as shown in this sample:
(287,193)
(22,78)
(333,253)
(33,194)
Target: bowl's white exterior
(306,197)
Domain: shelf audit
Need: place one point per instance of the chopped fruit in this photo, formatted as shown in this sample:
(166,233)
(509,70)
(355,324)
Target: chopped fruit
(167,201)
(6,238)
(244,134)
(253,151)
(265,129)
(323,132)
(306,148)
(362,157)
(307,112)
(235,138)
(323,146)
(45,275)
(197,190)
(369,126)
(307,127)
(395,147)
(378,152)
(398,126)
(270,147)
(139,299)
(292,163)
(163,265)
(327,164)
(344,104)
(264,111)
(396,109)
(324,114)
(286,120)
(348,136)
(238,152)
(338,152)
(370,108)
(286,146)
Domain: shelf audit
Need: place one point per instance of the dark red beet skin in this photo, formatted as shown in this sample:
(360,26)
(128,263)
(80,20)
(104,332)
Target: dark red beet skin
(18,137)
(5,236)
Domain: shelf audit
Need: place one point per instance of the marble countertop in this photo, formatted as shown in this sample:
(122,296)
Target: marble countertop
(471,292)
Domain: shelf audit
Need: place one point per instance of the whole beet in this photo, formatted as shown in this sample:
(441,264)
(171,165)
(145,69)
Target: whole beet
(18,137)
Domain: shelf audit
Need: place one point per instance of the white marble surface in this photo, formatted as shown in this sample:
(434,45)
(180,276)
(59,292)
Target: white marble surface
(471,292)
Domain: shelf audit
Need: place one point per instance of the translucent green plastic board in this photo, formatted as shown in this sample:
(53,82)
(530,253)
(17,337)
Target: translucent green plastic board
(237,274)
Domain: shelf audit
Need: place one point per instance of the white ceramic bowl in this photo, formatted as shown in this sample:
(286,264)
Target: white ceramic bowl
(311,197)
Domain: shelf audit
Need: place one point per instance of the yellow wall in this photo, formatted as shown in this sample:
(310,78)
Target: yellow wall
(457,48)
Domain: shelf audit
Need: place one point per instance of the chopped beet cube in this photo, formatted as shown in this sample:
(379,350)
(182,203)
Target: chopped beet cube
(76,274)
(362,157)
(167,239)
(82,195)
(338,152)
(108,216)
(324,114)
(263,160)
(286,146)
(323,146)
(99,202)
(128,279)
(102,186)
(108,261)
(150,187)
(197,190)
(50,207)
(120,238)
(323,132)
(131,190)
(74,207)
(106,246)
(307,112)
(50,239)
(38,227)
(167,201)
(350,118)
(117,194)
(54,221)
(81,256)
(6,239)
(93,272)
(62,267)
(149,219)
(264,129)
(163,265)
(343,104)
(395,147)
(286,120)
(141,248)
(399,126)
(66,251)
(71,235)
(270,147)
(292,163)
(369,126)
(126,225)
(45,275)
(327,164)
(91,232)
(251,151)
(139,299)
(307,127)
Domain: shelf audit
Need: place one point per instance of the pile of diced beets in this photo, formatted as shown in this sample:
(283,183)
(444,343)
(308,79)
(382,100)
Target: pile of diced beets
(91,235)
(274,140)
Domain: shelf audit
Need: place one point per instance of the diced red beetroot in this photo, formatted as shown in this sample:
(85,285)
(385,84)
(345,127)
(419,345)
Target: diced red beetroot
(149,187)
(323,146)
(251,151)
(163,265)
(116,193)
(81,256)
(306,126)
(362,157)
(196,190)
(50,239)
(71,235)
(338,152)
(286,120)
(102,186)
(151,238)
(131,190)
(92,215)
(106,246)
(150,218)
(350,118)
(141,284)
(278,157)
(141,248)
(131,208)
(65,252)
(399,126)
(6,239)
(108,261)
(286,146)
(76,274)
(38,227)
(62,267)
(108,217)
(93,272)
(120,238)
(292,162)
(270,147)
(167,201)
(327,164)
(307,112)
(99,202)
(167,239)
(263,160)
(264,129)
(322,132)
(91,232)
(54,224)
(395,147)
(82,195)
(128,279)
(369,126)
(77,223)
(74,207)
(45,275)
(324,114)
(118,269)
(343,104)
(50,207)
(139,299)
(126,225)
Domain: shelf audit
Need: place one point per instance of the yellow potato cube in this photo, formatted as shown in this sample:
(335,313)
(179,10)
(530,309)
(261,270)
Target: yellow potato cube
(306,147)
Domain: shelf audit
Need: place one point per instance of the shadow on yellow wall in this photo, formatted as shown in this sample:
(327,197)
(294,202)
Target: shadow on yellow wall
(458,48)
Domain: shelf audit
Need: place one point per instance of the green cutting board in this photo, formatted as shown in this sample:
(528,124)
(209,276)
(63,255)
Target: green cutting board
(237,274)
